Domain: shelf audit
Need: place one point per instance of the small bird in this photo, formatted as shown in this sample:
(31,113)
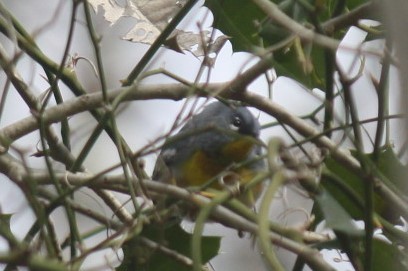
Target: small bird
(218,148)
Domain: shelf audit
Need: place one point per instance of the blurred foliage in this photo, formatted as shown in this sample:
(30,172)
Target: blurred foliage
(249,28)
(138,256)
(348,188)
(342,202)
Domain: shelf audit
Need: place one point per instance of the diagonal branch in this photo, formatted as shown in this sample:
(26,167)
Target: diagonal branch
(177,92)
(366,10)
(273,12)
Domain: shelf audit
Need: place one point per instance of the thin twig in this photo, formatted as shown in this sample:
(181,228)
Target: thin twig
(176,92)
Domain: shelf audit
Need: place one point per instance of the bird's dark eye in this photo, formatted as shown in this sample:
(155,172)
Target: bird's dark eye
(236,123)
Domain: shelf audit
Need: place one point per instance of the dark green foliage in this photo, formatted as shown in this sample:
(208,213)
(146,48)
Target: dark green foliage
(138,256)
(249,27)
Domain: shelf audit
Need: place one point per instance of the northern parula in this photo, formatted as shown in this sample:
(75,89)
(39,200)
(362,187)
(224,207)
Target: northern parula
(217,148)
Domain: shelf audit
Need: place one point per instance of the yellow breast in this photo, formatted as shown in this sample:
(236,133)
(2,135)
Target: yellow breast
(199,170)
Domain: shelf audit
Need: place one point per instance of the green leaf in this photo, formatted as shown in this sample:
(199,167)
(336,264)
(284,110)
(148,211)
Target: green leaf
(348,188)
(345,187)
(393,174)
(387,256)
(303,63)
(237,19)
(391,167)
(337,219)
(335,215)
(351,4)
(137,256)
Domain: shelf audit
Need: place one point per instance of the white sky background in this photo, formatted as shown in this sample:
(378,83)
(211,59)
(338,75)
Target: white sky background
(143,121)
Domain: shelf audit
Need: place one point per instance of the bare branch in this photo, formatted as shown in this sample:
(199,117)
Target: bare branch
(220,213)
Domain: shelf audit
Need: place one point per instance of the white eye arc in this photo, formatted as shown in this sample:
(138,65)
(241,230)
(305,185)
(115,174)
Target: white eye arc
(236,123)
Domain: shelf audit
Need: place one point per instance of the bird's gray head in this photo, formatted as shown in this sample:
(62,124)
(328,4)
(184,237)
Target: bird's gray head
(236,118)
